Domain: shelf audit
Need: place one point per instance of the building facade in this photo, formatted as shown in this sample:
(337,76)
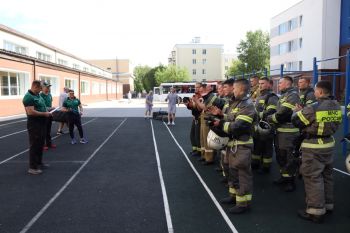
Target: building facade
(24,59)
(308,29)
(120,69)
(203,61)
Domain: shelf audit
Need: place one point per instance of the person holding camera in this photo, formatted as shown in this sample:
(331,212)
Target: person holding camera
(73,106)
(238,125)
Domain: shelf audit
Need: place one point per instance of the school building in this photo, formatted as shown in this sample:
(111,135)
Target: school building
(24,59)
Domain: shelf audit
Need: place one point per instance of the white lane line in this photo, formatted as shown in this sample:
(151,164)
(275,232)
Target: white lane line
(13,122)
(8,135)
(165,197)
(22,152)
(49,203)
(222,212)
(345,173)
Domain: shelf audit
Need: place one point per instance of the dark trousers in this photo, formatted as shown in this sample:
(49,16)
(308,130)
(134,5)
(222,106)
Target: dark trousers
(75,119)
(36,130)
(48,141)
(195,135)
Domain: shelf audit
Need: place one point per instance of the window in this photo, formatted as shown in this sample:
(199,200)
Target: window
(283,48)
(204,61)
(43,56)
(54,83)
(194,71)
(84,87)
(86,69)
(203,71)
(204,51)
(300,65)
(300,20)
(62,62)
(283,28)
(71,84)
(76,66)
(300,43)
(103,88)
(194,51)
(13,83)
(194,61)
(95,88)
(15,48)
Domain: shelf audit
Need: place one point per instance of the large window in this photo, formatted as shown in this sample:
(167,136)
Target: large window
(53,81)
(84,87)
(194,61)
(204,61)
(13,83)
(194,72)
(204,51)
(43,56)
(95,88)
(62,62)
(71,84)
(103,88)
(194,51)
(15,48)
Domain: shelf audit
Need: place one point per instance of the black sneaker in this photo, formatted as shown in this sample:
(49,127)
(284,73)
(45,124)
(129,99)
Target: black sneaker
(280,181)
(238,209)
(228,200)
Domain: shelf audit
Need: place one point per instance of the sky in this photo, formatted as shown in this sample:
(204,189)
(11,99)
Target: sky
(144,31)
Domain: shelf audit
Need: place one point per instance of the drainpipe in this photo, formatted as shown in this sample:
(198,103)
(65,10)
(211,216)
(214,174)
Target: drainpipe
(34,78)
(79,87)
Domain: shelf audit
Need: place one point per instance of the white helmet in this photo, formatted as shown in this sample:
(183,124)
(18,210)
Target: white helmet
(347,163)
(216,142)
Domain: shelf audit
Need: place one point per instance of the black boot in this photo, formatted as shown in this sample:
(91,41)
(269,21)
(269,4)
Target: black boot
(280,181)
(311,217)
(289,186)
(228,200)
(238,209)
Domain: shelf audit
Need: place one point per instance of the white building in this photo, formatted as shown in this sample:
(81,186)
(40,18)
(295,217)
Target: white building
(227,59)
(203,61)
(308,29)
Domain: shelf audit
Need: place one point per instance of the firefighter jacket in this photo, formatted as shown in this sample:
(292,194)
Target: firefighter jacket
(254,92)
(318,122)
(282,117)
(307,96)
(239,120)
(266,104)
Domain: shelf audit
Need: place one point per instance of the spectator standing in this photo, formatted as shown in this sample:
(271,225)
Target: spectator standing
(37,115)
(63,97)
(72,105)
(129,97)
(149,105)
(47,97)
(172,99)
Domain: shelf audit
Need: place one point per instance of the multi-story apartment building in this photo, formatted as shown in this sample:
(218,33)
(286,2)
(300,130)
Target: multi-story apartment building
(120,69)
(308,29)
(203,61)
(227,59)
(24,59)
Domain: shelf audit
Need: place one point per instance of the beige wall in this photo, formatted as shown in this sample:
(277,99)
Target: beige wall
(212,66)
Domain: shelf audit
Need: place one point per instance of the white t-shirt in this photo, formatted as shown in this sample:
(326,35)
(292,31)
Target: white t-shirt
(63,97)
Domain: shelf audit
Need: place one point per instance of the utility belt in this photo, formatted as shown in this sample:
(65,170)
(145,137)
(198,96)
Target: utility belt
(233,144)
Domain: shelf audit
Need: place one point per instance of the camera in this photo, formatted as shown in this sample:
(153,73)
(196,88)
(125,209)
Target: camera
(185,100)
(210,119)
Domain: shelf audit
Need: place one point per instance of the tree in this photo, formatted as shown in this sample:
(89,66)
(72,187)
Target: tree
(140,73)
(237,67)
(172,74)
(150,78)
(254,52)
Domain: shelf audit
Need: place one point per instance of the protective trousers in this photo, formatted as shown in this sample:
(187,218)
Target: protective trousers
(316,169)
(262,152)
(284,146)
(224,163)
(195,136)
(207,153)
(36,130)
(240,174)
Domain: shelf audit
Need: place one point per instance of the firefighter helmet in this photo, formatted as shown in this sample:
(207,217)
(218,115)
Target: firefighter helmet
(263,129)
(216,142)
(347,163)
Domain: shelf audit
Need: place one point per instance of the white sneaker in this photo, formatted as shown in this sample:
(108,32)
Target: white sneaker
(169,123)
(173,123)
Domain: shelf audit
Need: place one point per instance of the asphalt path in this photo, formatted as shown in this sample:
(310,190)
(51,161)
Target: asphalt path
(135,175)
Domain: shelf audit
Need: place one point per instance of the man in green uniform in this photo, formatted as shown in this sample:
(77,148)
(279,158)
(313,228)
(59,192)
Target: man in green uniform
(46,95)
(73,106)
(319,123)
(37,115)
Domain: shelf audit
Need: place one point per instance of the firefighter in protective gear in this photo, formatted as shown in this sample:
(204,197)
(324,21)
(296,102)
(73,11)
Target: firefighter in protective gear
(306,93)
(215,141)
(254,88)
(265,106)
(195,127)
(238,126)
(286,133)
(207,100)
(319,122)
